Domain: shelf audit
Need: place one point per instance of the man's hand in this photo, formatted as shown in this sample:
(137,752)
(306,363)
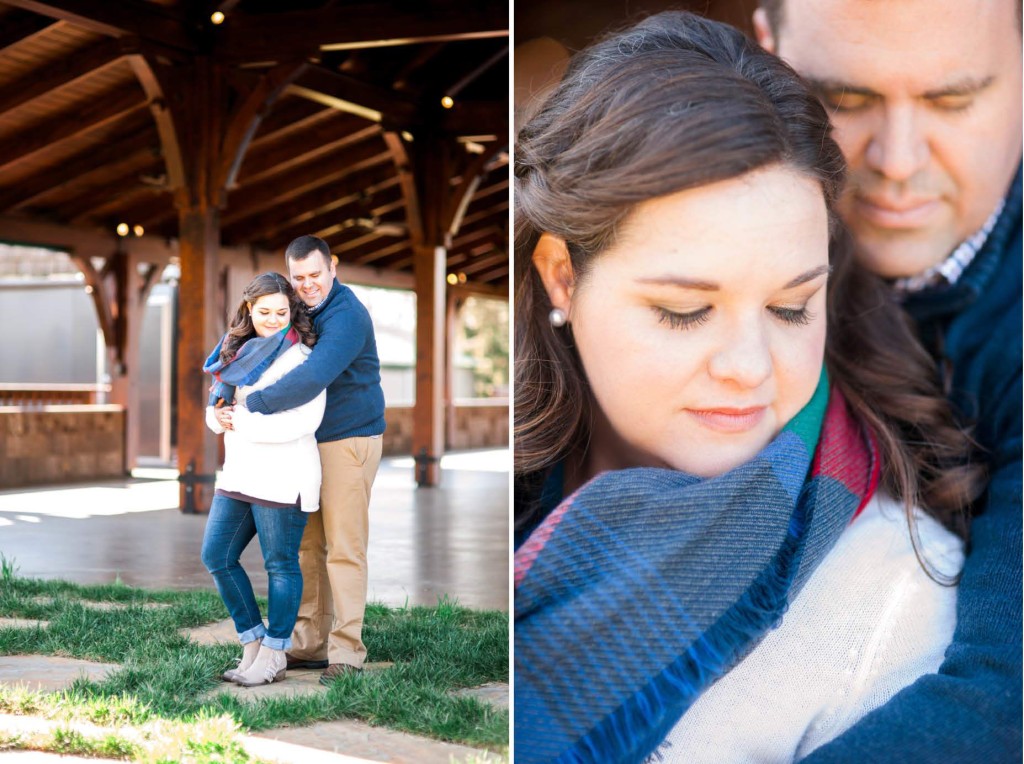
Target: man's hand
(223,415)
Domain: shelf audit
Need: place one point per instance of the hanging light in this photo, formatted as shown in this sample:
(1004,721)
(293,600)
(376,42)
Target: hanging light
(217,17)
(453,279)
(461,277)
(447,102)
(122,229)
(138,230)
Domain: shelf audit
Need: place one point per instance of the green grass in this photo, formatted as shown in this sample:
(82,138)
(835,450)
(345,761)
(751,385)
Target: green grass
(165,677)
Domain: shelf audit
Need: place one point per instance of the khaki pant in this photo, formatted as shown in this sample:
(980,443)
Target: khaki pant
(333,555)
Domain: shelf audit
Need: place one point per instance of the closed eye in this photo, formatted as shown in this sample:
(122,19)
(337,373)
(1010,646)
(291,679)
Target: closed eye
(799,316)
(683,320)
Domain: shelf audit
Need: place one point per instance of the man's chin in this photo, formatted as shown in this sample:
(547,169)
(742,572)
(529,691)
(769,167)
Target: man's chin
(901,254)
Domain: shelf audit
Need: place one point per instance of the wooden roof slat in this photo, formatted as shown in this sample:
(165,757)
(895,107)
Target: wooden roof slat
(324,138)
(74,172)
(280,188)
(61,73)
(147,21)
(84,206)
(320,200)
(70,123)
(19,26)
(348,206)
(366,25)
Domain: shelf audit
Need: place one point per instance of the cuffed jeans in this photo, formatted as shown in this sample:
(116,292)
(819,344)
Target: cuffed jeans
(229,529)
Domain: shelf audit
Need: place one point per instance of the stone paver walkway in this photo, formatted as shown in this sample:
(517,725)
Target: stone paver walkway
(47,673)
(335,742)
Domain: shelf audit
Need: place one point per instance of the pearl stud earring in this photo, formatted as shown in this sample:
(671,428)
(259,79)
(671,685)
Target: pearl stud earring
(557,317)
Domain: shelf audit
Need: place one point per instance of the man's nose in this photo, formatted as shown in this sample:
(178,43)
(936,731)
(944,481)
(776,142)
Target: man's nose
(898,147)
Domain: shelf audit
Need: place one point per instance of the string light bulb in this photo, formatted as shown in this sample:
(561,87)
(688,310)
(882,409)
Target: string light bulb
(138,230)
(217,17)
(122,229)
(453,279)
(447,102)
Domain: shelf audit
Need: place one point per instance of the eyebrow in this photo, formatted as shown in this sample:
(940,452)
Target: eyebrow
(709,286)
(965,86)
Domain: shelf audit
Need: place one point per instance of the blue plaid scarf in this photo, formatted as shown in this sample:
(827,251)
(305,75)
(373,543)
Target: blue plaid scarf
(247,365)
(646,585)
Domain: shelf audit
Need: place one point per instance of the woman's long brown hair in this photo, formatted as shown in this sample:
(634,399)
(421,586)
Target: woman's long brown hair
(679,102)
(240,330)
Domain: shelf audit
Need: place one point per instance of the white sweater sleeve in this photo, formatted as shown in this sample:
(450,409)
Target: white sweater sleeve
(211,421)
(283,426)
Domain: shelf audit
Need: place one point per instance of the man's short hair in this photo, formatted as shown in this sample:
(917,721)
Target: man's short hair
(773,10)
(304,246)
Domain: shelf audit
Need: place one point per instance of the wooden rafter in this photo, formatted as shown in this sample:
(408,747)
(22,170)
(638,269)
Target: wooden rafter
(317,201)
(148,21)
(75,172)
(347,93)
(20,26)
(70,124)
(363,26)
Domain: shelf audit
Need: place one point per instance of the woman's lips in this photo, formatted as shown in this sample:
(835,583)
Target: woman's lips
(891,214)
(729,419)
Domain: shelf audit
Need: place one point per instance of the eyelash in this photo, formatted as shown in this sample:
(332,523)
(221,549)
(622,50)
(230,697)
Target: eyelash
(794,316)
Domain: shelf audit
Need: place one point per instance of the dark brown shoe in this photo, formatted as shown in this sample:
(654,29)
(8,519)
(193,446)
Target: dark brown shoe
(336,670)
(302,663)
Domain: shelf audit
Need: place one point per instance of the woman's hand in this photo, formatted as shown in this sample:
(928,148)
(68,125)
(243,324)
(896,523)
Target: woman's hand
(223,415)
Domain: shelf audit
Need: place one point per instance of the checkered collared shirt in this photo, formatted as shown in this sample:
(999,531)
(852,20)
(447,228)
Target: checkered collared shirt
(950,269)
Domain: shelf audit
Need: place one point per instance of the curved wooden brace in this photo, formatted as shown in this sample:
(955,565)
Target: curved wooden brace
(149,75)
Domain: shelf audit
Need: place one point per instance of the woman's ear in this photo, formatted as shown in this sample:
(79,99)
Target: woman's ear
(553,264)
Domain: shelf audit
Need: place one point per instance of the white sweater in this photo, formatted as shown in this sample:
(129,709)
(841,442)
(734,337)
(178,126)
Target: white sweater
(868,623)
(273,456)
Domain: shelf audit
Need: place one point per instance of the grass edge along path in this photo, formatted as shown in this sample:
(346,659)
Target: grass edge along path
(166,678)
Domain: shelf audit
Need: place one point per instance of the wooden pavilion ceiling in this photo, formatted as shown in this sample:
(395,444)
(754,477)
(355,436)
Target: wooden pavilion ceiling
(82,144)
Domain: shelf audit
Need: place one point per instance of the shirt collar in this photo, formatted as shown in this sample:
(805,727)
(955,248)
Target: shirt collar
(950,269)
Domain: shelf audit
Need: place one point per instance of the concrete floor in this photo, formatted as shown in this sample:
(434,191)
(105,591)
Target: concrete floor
(424,542)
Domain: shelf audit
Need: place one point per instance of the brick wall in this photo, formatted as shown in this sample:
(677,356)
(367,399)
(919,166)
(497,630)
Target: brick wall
(60,444)
(476,426)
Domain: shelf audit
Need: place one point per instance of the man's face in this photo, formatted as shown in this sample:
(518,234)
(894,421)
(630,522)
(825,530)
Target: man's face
(312,277)
(925,96)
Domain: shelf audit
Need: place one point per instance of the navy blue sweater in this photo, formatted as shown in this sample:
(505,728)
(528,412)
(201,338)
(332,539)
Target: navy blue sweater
(970,711)
(344,361)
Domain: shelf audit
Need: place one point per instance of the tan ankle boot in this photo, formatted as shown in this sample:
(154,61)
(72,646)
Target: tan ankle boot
(249,652)
(268,667)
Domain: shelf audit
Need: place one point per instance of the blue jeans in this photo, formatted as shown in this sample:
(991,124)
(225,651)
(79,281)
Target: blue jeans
(229,529)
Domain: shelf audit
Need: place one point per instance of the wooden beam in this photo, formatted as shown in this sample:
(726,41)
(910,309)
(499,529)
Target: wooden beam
(325,138)
(472,76)
(349,94)
(111,191)
(63,71)
(322,199)
(70,123)
(363,25)
(476,118)
(327,223)
(475,289)
(281,187)
(68,174)
(19,26)
(151,75)
(289,115)
(197,446)
(149,21)
(244,119)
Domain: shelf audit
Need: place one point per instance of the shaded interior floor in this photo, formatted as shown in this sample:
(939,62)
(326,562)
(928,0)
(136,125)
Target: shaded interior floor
(425,543)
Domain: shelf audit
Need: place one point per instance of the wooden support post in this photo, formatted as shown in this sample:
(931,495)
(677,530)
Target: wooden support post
(197,447)
(428,414)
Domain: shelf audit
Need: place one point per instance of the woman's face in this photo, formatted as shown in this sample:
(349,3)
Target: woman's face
(702,329)
(270,314)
